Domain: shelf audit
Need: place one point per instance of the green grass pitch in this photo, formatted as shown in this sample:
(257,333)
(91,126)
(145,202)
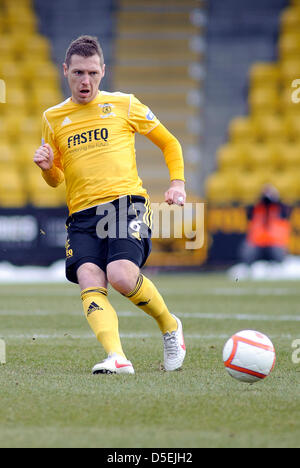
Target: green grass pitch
(50,399)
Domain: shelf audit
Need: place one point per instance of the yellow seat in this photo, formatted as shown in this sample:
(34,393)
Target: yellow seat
(41,194)
(6,48)
(12,192)
(290,99)
(287,183)
(2,26)
(21,19)
(289,46)
(7,154)
(31,47)
(271,127)
(260,156)
(10,72)
(16,98)
(39,47)
(293,125)
(26,151)
(288,156)
(290,70)
(20,128)
(220,188)
(232,156)
(264,74)
(249,187)
(43,98)
(3,129)
(290,19)
(40,70)
(262,101)
(242,130)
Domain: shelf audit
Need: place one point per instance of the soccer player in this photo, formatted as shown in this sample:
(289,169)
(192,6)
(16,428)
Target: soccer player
(88,142)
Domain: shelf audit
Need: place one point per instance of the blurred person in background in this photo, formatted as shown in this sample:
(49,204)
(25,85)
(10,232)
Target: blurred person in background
(268,229)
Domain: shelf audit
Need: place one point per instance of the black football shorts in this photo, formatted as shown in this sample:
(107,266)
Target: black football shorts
(119,230)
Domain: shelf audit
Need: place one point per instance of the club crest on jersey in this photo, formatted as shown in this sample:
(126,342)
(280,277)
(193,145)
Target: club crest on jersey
(107,110)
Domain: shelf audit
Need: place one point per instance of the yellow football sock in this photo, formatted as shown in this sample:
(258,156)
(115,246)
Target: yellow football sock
(146,297)
(102,319)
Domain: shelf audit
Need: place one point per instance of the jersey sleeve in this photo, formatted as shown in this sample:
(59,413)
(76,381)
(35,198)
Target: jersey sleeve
(171,149)
(141,118)
(54,176)
(48,137)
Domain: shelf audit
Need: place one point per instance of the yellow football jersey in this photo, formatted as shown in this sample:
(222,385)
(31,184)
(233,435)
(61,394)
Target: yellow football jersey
(94,146)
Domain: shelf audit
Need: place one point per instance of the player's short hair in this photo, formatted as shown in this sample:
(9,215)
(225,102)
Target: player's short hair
(84,46)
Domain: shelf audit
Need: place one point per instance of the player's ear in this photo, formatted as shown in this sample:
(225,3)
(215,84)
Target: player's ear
(65,69)
(103,70)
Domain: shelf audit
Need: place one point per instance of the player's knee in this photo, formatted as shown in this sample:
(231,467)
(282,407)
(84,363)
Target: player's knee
(122,276)
(90,274)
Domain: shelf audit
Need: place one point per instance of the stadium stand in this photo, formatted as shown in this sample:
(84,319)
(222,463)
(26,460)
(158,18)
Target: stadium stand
(33,39)
(159,55)
(27,68)
(263,144)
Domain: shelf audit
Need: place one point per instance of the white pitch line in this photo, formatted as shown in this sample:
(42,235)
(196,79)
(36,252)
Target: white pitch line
(88,336)
(166,291)
(187,315)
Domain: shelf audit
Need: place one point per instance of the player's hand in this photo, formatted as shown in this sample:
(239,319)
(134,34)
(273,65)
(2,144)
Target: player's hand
(176,193)
(43,157)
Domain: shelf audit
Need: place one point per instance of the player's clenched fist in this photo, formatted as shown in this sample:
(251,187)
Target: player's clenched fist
(176,193)
(44,157)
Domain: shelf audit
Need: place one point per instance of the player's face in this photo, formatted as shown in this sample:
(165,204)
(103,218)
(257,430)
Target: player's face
(84,75)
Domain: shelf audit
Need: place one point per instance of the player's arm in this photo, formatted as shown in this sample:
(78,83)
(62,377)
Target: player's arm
(44,159)
(47,157)
(172,151)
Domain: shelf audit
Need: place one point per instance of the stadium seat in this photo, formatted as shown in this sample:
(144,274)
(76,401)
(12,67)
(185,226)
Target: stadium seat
(290,70)
(289,46)
(7,154)
(41,71)
(288,156)
(220,188)
(260,156)
(25,151)
(10,72)
(263,100)
(290,19)
(287,183)
(231,156)
(32,47)
(41,194)
(13,127)
(12,193)
(289,99)
(3,129)
(16,100)
(263,74)
(242,130)
(20,19)
(292,123)
(249,187)
(6,48)
(271,127)
(2,25)
(43,98)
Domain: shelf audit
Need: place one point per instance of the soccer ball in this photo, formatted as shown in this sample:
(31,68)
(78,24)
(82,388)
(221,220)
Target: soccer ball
(249,356)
